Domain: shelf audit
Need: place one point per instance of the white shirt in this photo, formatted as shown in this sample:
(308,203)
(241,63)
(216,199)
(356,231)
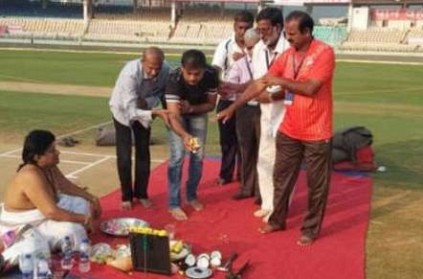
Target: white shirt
(223,58)
(271,113)
(131,85)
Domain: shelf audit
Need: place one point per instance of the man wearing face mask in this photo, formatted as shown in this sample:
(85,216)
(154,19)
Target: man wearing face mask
(191,93)
(138,89)
(270,26)
(226,54)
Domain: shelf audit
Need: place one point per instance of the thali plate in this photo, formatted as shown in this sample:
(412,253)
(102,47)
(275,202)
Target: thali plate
(120,226)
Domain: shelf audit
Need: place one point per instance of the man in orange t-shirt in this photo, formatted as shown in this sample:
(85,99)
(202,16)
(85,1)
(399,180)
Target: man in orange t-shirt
(304,74)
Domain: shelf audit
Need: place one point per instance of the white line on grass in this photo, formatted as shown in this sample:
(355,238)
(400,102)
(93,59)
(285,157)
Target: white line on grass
(64,161)
(87,154)
(83,130)
(23,79)
(379,62)
(72,174)
(381,91)
(62,136)
(170,54)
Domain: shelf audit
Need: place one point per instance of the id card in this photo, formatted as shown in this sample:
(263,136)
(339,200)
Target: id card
(289,99)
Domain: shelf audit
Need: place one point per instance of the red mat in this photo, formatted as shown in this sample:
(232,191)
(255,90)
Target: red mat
(228,226)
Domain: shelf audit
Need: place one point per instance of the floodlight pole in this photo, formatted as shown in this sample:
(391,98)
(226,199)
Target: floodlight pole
(350,16)
(173,14)
(85,11)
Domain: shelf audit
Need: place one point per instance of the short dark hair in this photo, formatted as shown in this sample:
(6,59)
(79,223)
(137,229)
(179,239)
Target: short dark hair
(193,59)
(244,16)
(37,142)
(274,15)
(304,20)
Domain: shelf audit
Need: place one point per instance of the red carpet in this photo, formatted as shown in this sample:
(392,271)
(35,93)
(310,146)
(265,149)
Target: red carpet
(228,225)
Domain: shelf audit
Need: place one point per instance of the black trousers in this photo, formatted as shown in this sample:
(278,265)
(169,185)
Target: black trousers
(289,155)
(124,160)
(248,134)
(228,145)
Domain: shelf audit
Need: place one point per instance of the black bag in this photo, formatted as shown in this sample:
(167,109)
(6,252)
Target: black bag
(347,142)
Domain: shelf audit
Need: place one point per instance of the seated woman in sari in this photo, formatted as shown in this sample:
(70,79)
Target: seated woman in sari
(42,197)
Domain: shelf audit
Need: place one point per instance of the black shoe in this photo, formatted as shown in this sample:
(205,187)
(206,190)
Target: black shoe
(240,196)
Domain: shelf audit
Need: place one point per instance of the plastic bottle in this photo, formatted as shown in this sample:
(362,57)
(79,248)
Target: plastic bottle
(26,266)
(84,256)
(42,269)
(67,253)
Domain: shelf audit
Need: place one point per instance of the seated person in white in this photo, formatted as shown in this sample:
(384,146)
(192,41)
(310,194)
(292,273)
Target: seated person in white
(42,197)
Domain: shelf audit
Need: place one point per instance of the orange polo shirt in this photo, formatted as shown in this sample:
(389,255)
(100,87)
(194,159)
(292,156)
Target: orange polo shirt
(309,118)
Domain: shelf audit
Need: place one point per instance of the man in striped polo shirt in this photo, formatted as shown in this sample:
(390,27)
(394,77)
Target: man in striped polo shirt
(305,74)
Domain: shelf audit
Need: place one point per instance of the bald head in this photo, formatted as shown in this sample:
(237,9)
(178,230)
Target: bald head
(251,37)
(152,60)
(153,53)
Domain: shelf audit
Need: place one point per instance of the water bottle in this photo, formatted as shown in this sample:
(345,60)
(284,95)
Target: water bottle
(84,256)
(26,266)
(42,269)
(67,253)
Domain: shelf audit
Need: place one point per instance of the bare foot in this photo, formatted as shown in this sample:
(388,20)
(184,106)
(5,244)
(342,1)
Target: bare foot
(146,203)
(126,205)
(261,213)
(198,206)
(305,241)
(178,214)
(269,229)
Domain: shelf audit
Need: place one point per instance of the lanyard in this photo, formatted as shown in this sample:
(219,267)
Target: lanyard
(296,69)
(269,64)
(248,67)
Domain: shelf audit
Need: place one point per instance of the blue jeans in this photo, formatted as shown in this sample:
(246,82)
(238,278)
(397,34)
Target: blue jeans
(196,125)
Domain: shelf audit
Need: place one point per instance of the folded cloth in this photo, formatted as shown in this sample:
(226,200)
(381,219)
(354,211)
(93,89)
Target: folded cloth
(12,220)
(74,204)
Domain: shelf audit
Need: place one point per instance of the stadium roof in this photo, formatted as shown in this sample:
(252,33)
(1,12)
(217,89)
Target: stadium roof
(226,1)
(387,2)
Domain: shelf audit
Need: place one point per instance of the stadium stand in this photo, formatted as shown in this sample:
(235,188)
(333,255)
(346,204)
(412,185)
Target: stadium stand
(196,24)
(415,37)
(380,39)
(127,30)
(43,28)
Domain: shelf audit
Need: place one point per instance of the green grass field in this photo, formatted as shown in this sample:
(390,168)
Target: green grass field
(388,99)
